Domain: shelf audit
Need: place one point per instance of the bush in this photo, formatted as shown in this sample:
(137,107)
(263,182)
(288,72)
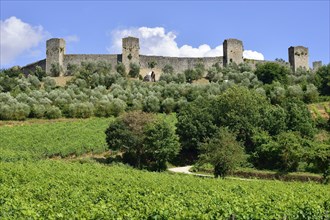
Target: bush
(168,105)
(168,69)
(34,81)
(49,83)
(103,108)
(37,111)
(151,104)
(120,68)
(56,69)
(72,69)
(39,72)
(176,78)
(134,70)
(311,94)
(81,110)
(14,111)
(117,106)
(191,75)
(52,112)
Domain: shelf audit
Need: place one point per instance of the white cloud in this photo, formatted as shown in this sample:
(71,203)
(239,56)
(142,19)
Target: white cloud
(156,41)
(254,55)
(71,39)
(18,37)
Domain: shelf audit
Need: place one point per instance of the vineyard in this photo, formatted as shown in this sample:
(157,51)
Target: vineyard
(34,187)
(73,190)
(30,141)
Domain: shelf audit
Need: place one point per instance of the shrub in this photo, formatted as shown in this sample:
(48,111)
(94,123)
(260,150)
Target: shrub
(151,104)
(120,68)
(190,75)
(117,106)
(35,83)
(311,94)
(152,64)
(72,69)
(49,83)
(52,112)
(168,69)
(56,69)
(81,110)
(37,111)
(134,70)
(39,72)
(102,108)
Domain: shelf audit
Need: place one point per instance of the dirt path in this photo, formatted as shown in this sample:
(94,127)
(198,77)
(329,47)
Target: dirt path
(181,169)
(185,170)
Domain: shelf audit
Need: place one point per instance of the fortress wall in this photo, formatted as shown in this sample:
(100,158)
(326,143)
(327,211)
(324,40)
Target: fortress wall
(179,63)
(253,63)
(32,66)
(78,58)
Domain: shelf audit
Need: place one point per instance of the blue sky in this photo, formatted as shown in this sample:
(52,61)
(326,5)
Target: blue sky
(184,28)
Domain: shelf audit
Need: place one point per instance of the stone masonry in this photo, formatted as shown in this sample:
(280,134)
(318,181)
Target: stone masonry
(316,65)
(55,50)
(130,51)
(232,49)
(298,57)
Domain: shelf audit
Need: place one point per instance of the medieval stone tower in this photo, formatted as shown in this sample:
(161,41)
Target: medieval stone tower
(55,53)
(232,51)
(130,51)
(298,57)
(317,65)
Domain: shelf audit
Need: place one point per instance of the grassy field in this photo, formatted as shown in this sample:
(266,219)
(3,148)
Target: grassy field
(38,139)
(32,186)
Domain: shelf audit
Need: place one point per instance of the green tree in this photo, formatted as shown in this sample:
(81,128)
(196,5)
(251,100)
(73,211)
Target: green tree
(323,78)
(161,142)
(223,152)
(242,111)
(145,140)
(272,71)
(299,117)
(320,157)
(195,123)
(282,152)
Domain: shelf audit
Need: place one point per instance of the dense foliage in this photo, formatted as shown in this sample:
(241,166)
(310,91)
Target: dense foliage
(223,152)
(265,108)
(145,140)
